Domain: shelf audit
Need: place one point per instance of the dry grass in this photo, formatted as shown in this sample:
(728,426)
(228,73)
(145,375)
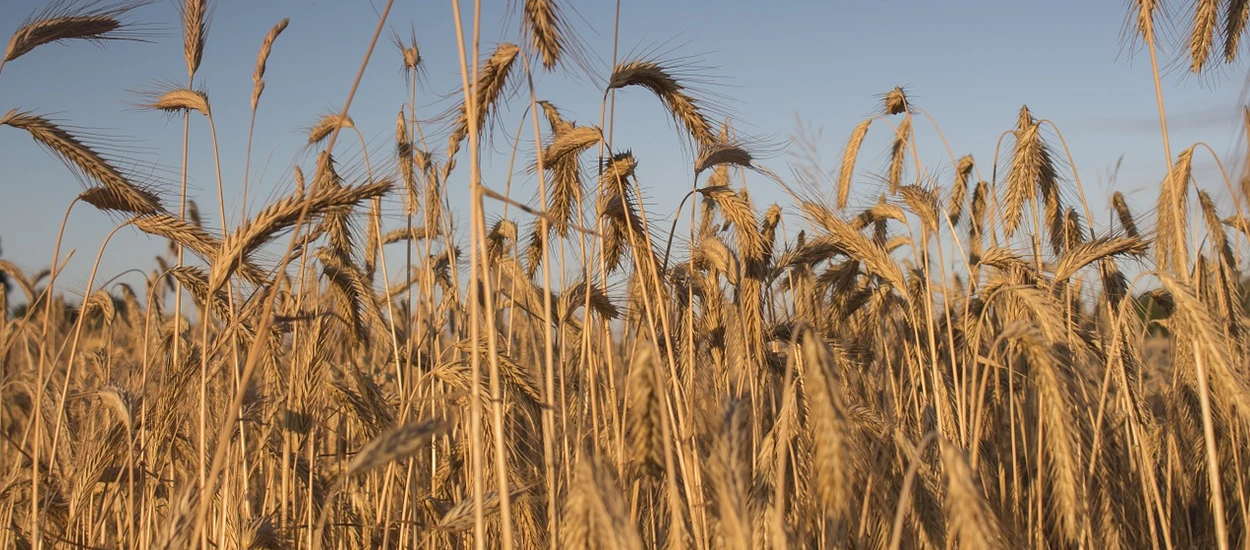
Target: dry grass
(929,362)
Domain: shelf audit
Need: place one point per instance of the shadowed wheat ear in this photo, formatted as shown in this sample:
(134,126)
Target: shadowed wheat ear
(1124,214)
(123,194)
(194,33)
(959,191)
(60,21)
(1235,16)
(719,153)
(895,102)
(262,58)
(661,82)
(1058,426)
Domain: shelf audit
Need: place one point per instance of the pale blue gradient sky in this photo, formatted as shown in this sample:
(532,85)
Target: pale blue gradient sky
(971,64)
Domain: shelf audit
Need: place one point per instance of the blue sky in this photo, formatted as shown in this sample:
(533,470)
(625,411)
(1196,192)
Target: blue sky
(970,64)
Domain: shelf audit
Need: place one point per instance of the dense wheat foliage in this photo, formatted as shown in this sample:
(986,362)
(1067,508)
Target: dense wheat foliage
(579,373)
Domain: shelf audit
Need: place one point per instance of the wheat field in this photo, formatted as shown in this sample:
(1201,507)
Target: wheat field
(571,370)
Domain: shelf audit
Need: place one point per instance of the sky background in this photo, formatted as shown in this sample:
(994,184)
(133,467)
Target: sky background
(772,66)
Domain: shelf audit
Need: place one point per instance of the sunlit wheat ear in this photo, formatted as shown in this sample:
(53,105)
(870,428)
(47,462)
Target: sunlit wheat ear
(396,444)
(596,514)
(407,166)
(849,156)
(326,125)
(1235,16)
(543,23)
(1201,331)
(970,520)
(840,236)
(1211,217)
(571,142)
(555,121)
(102,301)
(1170,241)
(17,277)
(738,211)
(898,154)
(660,81)
(403,234)
(727,469)
(493,79)
(959,190)
(618,168)
(194,33)
(561,160)
(181,231)
(117,401)
(124,195)
(1202,36)
(1032,172)
(61,21)
(1124,214)
(1086,253)
(827,421)
(281,215)
(300,185)
(923,203)
(180,100)
(262,59)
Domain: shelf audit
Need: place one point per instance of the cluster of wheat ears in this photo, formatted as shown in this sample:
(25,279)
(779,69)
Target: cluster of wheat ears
(579,376)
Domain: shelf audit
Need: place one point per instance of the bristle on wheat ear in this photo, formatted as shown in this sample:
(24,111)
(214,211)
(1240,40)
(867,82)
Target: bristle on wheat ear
(675,97)
(59,22)
(124,194)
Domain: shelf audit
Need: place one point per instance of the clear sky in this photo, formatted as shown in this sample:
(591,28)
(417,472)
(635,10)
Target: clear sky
(971,64)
